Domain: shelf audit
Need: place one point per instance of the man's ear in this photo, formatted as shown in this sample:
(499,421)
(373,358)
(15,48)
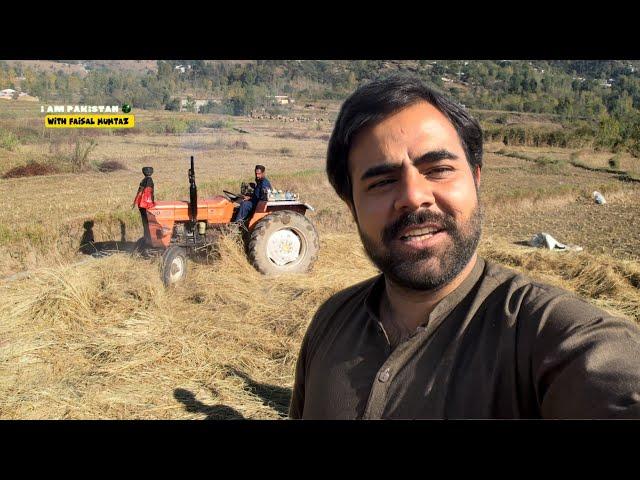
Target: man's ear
(476,175)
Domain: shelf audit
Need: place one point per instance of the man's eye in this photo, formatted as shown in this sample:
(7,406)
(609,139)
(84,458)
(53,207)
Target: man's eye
(439,172)
(380,183)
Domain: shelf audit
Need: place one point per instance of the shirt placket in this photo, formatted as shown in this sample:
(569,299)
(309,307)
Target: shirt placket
(392,365)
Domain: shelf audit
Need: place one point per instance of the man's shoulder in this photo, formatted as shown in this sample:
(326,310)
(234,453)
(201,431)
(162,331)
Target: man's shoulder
(500,275)
(338,305)
(355,294)
(538,300)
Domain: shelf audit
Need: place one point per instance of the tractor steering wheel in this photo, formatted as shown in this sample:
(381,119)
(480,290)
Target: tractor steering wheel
(234,197)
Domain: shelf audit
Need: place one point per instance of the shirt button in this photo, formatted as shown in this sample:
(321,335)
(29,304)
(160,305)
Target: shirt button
(384,375)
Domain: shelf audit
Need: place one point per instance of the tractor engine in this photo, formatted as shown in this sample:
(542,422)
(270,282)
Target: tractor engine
(200,234)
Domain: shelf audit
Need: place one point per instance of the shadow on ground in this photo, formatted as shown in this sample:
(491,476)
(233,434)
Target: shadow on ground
(212,412)
(524,243)
(89,246)
(272,396)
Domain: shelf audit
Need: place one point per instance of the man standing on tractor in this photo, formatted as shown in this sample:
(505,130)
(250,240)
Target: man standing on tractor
(249,203)
(145,199)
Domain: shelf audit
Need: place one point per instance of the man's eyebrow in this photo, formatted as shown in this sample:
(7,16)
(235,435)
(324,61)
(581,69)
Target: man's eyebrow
(384,168)
(435,156)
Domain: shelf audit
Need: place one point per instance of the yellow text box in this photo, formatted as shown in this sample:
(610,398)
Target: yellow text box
(89,121)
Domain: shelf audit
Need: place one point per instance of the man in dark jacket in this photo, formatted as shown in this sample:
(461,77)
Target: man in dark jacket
(441,332)
(249,203)
(145,198)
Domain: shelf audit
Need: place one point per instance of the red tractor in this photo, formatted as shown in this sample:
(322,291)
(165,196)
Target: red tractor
(278,237)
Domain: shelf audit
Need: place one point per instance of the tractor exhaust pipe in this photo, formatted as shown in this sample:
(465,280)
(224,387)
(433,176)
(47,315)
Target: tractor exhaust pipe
(193,195)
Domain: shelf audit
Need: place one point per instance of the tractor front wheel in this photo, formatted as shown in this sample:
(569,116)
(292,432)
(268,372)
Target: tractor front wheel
(283,242)
(174,265)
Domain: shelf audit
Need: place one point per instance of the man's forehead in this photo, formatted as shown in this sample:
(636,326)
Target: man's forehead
(416,126)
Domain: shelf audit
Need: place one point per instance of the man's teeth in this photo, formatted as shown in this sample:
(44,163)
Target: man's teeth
(420,233)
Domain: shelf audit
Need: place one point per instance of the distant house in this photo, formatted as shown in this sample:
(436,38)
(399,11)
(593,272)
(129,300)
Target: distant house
(10,94)
(197,103)
(7,94)
(182,68)
(281,100)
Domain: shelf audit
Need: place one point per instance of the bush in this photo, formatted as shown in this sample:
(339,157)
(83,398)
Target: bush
(110,166)
(212,107)
(173,105)
(8,140)
(81,152)
(172,126)
(193,126)
(286,151)
(614,162)
(219,124)
(31,169)
(543,160)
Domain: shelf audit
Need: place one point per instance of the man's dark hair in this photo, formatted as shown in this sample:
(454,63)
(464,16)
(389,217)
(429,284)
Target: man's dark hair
(377,100)
(260,167)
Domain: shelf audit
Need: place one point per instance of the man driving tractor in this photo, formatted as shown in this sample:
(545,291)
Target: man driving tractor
(249,203)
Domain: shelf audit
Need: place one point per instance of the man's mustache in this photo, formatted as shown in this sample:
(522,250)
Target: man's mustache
(442,221)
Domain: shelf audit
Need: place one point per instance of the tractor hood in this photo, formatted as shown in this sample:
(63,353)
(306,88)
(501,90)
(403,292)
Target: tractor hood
(214,210)
(213,202)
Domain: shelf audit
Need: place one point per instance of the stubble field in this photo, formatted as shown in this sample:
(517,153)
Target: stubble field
(85,336)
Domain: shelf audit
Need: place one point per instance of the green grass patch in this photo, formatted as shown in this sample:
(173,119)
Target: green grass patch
(175,126)
(219,124)
(8,140)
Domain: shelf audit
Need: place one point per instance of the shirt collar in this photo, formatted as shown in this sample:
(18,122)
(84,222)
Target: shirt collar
(442,309)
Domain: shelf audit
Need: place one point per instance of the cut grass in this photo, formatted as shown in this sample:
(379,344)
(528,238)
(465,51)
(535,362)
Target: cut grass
(31,169)
(104,339)
(110,166)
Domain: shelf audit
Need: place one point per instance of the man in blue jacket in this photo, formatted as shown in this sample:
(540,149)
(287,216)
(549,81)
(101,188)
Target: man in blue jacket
(249,203)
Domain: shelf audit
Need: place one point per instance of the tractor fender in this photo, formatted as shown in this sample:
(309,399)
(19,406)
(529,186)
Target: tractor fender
(264,206)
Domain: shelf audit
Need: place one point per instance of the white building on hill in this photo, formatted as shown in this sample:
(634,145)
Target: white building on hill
(281,99)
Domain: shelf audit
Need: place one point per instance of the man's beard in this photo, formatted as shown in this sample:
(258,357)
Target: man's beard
(410,270)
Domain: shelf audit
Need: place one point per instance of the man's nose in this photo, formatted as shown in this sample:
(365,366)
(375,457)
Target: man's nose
(414,191)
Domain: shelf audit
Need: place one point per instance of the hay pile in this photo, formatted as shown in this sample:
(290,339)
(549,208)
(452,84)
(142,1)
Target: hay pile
(105,340)
(605,281)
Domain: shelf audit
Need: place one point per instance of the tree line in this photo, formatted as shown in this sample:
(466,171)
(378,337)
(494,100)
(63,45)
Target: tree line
(606,94)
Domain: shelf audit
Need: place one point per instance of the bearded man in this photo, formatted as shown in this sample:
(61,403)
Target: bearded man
(441,332)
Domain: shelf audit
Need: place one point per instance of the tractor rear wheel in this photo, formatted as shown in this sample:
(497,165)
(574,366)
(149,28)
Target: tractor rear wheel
(283,242)
(174,265)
